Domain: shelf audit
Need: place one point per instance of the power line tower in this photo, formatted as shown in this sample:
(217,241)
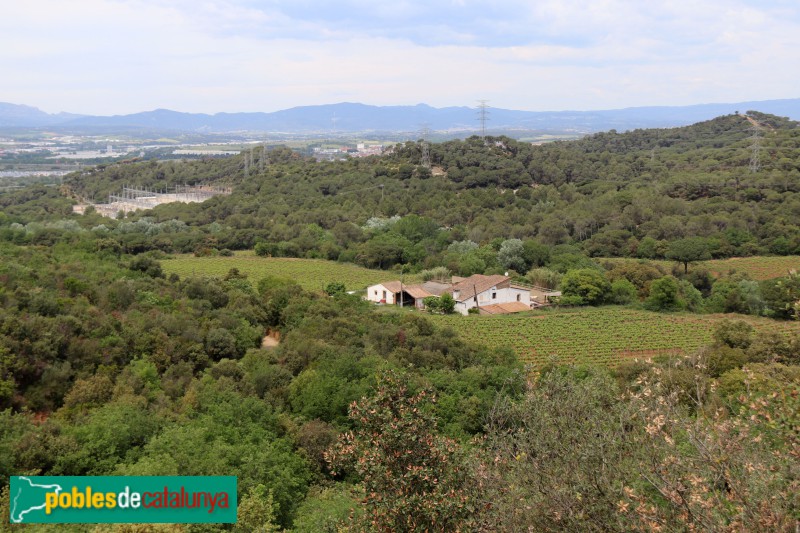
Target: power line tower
(426,153)
(755,150)
(483,116)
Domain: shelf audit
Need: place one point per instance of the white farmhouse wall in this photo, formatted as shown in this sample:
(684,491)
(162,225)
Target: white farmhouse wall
(378,293)
(501,296)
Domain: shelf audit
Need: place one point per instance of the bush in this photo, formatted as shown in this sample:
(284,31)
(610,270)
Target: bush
(663,295)
(148,265)
(335,287)
(444,304)
(438,273)
(587,284)
(734,333)
(622,292)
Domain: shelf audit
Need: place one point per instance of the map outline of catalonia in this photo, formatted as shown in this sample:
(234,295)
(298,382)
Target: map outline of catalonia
(18,517)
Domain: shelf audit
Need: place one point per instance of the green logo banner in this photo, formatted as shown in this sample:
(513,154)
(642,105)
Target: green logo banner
(123,499)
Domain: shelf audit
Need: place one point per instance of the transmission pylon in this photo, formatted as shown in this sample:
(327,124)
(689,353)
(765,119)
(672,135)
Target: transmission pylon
(426,153)
(755,150)
(483,116)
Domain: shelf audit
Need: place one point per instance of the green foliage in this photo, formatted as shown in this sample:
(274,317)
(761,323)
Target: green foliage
(688,250)
(444,304)
(663,295)
(335,287)
(622,292)
(220,344)
(326,510)
(413,479)
(544,277)
(587,284)
(256,512)
(552,462)
(734,333)
(438,273)
(782,296)
(512,255)
(109,368)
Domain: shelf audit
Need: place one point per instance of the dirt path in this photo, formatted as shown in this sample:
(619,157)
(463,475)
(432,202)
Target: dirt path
(269,342)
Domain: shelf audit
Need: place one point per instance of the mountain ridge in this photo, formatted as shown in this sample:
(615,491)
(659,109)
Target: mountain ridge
(351,117)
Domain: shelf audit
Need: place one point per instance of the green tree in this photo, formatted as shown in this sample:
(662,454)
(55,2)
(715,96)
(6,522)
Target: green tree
(623,292)
(663,295)
(535,253)
(446,303)
(414,479)
(256,513)
(587,284)
(688,251)
(512,255)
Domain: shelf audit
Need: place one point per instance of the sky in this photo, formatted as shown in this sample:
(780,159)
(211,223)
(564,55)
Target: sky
(109,57)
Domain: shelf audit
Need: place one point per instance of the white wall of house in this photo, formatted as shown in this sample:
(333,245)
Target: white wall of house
(495,296)
(379,293)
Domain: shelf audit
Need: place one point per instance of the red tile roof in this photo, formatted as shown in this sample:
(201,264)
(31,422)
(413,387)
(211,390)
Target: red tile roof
(504,309)
(392,286)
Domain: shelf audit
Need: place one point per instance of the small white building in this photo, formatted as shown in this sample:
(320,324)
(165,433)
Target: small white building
(399,293)
(385,293)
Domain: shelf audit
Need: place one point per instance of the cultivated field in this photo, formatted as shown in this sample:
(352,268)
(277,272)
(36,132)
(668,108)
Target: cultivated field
(605,335)
(758,267)
(311,274)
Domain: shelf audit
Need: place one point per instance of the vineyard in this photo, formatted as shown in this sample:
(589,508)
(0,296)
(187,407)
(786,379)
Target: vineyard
(757,267)
(605,335)
(311,274)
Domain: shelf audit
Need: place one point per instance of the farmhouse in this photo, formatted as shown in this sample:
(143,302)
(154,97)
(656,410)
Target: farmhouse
(397,293)
(489,294)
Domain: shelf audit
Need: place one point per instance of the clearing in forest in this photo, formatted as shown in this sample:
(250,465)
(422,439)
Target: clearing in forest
(311,274)
(604,335)
(757,267)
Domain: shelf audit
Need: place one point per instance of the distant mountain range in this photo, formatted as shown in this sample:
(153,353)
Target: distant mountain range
(350,117)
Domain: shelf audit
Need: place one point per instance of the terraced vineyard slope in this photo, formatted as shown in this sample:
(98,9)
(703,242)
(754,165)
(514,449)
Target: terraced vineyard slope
(605,335)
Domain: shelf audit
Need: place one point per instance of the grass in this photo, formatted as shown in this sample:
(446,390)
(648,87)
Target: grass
(604,335)
(758,267)
(311,274)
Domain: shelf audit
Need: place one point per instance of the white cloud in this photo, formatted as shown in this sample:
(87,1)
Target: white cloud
(127,56)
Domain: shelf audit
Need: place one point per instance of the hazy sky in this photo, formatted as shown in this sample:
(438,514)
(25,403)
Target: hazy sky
(124,56)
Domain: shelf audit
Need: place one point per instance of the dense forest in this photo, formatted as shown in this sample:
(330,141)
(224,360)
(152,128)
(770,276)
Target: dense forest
(610,194)
(369,419)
